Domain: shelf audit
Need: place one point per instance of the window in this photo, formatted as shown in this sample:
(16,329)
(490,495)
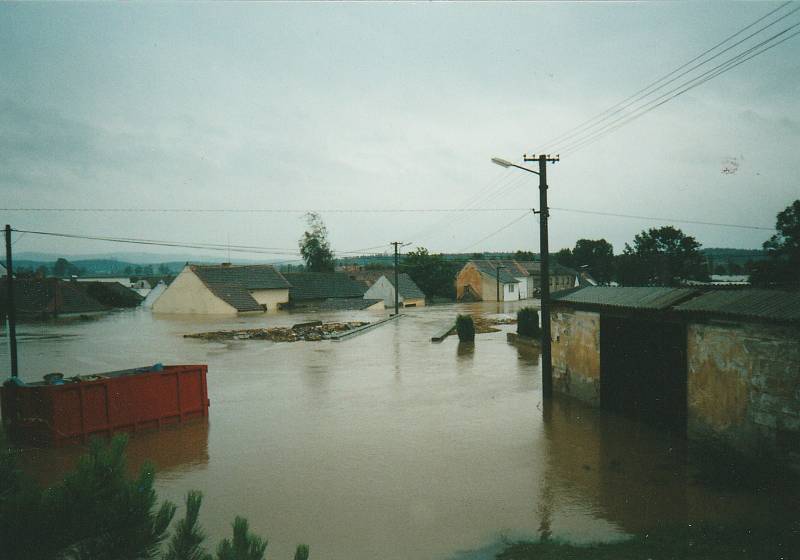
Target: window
(511,287)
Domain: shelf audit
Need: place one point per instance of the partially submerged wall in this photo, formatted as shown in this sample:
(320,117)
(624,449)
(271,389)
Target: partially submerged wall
(576,354)
(744,386)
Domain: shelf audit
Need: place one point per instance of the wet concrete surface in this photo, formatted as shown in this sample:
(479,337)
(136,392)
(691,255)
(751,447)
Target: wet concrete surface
(386,445)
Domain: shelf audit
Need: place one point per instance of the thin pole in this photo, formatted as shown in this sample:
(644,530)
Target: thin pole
(547,364)
(11,311)
(396,283)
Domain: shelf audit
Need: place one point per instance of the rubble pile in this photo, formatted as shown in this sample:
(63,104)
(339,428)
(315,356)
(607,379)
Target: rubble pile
(312,331)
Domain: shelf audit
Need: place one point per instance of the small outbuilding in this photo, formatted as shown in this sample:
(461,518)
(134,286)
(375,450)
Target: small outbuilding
(409,294)
(714,364)
(224,289)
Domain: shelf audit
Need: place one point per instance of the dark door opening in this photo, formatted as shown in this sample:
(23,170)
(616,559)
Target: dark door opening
(643,370)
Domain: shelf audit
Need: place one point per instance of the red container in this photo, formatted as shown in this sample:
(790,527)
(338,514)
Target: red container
(128,400)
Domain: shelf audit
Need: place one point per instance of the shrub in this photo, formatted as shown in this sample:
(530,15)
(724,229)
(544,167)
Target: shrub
(465,328)
(528,322)
(98,511)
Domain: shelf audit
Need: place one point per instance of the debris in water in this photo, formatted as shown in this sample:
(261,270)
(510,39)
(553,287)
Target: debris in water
(312,331)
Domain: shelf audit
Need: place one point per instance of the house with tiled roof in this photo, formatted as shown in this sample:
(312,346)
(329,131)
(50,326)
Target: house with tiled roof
(309,289)
(478,281)
(49,297)
(408,295)
(224,289)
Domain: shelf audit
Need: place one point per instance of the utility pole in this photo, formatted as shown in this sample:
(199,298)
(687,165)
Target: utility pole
(497,271)
(396,282)
(547,364)
(11,311)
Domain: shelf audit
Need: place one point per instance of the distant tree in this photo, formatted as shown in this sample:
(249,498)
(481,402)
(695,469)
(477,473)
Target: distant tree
(137,270)
(128,270)
(147,270)
(41,271)
(564,257)
(782,269)
(597,255)
(61,267)
(662,256)
(477,256)
(523,256)
(163,269)
(314,246)
(432,273)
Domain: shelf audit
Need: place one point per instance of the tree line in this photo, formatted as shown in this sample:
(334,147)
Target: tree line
(659,256)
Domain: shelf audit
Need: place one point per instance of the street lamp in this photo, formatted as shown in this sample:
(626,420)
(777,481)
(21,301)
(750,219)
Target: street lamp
(544,250)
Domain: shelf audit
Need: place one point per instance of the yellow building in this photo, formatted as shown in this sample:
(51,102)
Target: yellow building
(224,289)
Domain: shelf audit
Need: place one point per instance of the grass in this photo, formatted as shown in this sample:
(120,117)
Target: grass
(706,542)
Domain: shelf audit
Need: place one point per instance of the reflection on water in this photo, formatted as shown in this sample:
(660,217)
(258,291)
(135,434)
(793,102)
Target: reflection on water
(385,445)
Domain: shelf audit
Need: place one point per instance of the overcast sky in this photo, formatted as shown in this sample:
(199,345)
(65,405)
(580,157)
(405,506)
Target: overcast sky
(363,106)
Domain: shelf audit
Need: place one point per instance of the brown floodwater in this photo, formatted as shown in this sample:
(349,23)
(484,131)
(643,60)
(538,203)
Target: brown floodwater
(385,445)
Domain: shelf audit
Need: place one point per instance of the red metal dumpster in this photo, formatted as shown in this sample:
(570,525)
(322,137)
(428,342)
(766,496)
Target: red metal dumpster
(127,400)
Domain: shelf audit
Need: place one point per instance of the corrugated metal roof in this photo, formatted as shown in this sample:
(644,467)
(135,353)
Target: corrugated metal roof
(627,297)
(774,305)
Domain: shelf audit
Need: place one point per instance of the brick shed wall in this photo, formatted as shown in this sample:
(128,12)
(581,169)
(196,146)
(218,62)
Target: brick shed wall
(744,386)
(576,354)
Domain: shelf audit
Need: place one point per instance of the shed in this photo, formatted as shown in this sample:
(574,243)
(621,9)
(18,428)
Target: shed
(622,349)
(743,365)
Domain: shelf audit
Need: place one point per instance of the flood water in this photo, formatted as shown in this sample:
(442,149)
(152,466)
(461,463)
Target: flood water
(385,445)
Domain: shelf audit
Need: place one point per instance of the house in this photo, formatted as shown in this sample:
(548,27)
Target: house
(111,294)
(49,297)
(154,294)
(478,279)
(409,294)
(224,289)
(719,365)
(561,277)
(310,289)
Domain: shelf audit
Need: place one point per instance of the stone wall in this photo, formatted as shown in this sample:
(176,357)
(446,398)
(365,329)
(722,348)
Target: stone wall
(576,354)
(744,386)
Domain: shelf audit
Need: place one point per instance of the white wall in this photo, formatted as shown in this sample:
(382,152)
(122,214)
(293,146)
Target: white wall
(188,294)
(382,289)
(271,298)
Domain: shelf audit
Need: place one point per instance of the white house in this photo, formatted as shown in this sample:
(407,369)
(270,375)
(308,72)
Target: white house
(409,294)
(224,289)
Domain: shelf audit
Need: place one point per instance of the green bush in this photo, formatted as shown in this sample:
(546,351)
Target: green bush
(98,511)
(465,328)
(528,323)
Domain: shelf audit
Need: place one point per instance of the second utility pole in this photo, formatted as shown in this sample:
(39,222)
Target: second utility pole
(396,283)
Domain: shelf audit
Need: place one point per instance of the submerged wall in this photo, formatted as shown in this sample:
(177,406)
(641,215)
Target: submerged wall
(576,353)
(744,386)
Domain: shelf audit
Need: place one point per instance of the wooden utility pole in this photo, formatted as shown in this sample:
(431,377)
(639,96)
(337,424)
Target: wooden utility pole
(11,310)
(547,364)
(497,271)
(396,281)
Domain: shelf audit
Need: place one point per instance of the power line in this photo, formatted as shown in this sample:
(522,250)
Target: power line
(656,219)
(660,82)
(726,66)
(259,210)
(505,227)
